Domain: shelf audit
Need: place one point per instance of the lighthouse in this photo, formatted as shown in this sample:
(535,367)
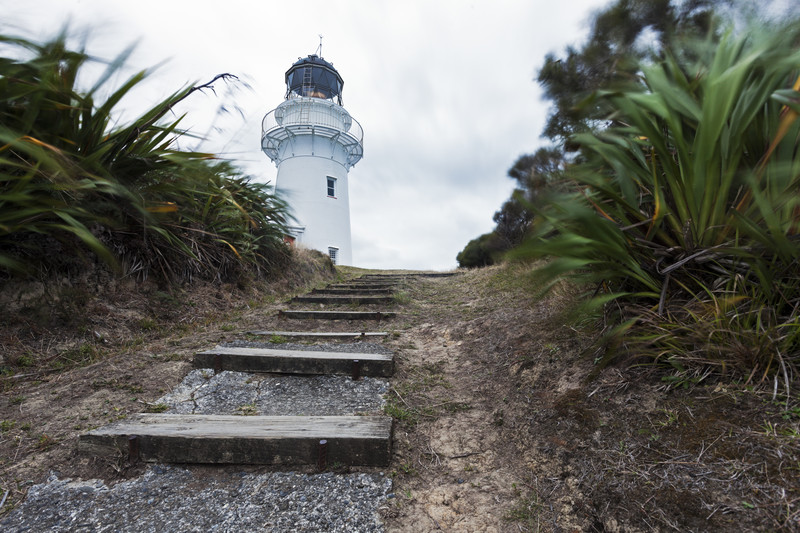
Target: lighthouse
(314,142)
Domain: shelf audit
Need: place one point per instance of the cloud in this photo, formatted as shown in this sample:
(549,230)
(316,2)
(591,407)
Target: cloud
(444,91)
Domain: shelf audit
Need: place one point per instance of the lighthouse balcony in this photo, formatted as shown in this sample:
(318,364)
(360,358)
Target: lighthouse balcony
(311,116)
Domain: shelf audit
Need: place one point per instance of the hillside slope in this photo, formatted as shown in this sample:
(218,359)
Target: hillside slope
(503,428)
(500,423)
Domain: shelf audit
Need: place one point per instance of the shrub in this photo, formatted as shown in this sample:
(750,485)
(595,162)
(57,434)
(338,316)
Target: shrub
(684,213)
(75,185)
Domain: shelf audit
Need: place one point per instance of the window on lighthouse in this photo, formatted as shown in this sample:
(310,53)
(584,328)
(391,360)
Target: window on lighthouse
(331,187)
(332,252)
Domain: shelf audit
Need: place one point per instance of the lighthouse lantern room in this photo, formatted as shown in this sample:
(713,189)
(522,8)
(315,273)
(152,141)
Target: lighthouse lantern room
(314,142)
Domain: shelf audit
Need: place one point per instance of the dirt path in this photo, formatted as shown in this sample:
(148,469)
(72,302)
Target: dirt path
(504,426)
(455,470)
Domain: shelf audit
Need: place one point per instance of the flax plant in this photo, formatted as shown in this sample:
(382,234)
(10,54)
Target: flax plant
(684,210)
(76,184)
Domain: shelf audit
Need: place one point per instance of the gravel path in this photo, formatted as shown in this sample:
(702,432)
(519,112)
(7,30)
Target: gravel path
(171,498)
(231,393)
(226,499)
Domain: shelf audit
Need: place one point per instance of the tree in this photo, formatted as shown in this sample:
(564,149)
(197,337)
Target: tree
(625,34)
(479,252)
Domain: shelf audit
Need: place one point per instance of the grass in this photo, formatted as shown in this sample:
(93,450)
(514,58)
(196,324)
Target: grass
(247,410)
(156,408)
(526,510)
(401,297)
(421,393)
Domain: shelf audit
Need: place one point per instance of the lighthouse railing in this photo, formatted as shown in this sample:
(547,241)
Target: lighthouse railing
(312,114)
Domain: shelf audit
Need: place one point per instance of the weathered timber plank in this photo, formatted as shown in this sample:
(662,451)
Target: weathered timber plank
(354,290)
(352,285)
(343,300)
(337,315)
(407,276)
(362,288)
(343,286)
(295,361)
(230,439)
(323,334)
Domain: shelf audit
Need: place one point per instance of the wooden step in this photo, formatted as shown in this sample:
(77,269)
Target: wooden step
(231,439)
(295,361)
(337,315)
(365,284)
(352,285)
(323,334)
(352,290)
(362,288)
(342,300)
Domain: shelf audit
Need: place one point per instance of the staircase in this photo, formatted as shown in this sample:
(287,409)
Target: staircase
(320,439)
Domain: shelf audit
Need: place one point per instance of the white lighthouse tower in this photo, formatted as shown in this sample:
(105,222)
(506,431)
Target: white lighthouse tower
(314,141)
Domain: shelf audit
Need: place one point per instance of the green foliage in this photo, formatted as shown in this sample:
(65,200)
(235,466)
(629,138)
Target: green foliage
(398,411)
(688,204)
(526,509)
(248,409)
(75,184)
(82,355)
(623,35)
(480,252)
(513,221)
(156,408)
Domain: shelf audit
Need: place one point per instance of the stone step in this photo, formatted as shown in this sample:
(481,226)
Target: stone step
(352,290)
(342,300)
(295,361)
(337,315)
(231,439)
(323,334)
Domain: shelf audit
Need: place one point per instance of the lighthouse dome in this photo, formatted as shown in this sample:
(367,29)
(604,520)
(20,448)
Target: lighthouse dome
(314,77)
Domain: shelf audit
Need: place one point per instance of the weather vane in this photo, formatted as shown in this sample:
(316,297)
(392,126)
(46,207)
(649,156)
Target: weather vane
(319,48)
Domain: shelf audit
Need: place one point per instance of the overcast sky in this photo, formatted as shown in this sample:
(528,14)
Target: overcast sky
(443,89)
